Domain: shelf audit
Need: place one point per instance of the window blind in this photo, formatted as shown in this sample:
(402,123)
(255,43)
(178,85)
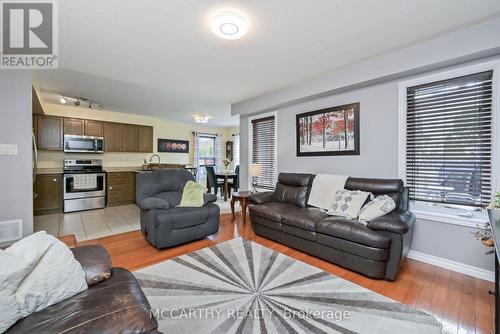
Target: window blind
(264,151)
(448,146)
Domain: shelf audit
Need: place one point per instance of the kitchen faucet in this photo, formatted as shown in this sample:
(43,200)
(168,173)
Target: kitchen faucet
(155,155)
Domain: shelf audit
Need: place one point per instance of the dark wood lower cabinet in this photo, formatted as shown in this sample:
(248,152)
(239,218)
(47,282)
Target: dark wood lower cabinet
(48,192)
(120,188)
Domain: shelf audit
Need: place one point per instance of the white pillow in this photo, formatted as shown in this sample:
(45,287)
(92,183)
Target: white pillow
(347,203)
(14,269)
(55,277)
(378,207)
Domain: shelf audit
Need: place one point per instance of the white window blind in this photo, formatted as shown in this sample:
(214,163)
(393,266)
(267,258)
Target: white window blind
(264,150)
(448,146)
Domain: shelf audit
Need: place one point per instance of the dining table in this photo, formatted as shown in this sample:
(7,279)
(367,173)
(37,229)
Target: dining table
(226,176)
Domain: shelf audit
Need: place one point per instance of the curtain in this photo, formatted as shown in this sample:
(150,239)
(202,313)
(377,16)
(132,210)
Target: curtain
(236,149)
(218,152)
(196,152)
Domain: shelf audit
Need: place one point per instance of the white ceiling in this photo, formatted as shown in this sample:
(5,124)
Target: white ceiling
(160,58)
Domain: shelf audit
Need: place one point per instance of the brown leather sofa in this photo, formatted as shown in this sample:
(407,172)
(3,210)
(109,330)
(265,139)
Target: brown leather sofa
(114,303)
(376,250)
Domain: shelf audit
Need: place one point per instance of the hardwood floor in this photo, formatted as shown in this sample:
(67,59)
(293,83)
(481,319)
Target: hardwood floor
(460,302)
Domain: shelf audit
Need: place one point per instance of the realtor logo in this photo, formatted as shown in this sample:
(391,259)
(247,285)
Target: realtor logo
(29,34)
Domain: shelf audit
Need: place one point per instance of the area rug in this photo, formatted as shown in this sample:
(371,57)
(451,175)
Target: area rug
(225,206)
(242,287)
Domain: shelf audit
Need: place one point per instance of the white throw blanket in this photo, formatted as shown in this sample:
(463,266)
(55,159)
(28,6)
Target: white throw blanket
(323,190)
(36,272)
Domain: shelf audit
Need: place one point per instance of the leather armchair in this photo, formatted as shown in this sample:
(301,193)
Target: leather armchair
(158,194)
(261,198)
(113,303)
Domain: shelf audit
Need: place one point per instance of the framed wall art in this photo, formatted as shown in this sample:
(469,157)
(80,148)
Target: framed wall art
(330,131)
(173,146)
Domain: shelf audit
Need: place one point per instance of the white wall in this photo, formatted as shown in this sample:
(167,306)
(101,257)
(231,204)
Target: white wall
(379,117)
(467,44)
(16,184)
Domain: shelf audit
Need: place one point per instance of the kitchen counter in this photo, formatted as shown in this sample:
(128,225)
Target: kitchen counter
(55,170)
(122,169)
(59,170)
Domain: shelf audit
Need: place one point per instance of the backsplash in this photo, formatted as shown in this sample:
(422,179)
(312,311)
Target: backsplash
(48,159)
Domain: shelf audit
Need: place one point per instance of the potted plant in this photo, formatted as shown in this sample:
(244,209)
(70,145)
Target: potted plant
(226,163)
(484,233)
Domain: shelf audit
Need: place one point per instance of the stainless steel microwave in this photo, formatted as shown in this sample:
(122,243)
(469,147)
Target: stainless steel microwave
(83,144)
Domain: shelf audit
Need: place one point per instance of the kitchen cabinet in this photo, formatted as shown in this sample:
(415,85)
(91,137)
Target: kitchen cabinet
(48,191)
(94,128)
(112,137)
(49,133)
(146,139)
(121,137)
(74,126)
(118,137)
(83,127)
(130,139)
(120,188)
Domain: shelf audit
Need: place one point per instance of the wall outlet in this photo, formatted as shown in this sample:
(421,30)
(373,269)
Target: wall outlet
(7,149)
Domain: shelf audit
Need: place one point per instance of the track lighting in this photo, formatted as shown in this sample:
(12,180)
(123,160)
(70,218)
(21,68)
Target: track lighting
(81,101)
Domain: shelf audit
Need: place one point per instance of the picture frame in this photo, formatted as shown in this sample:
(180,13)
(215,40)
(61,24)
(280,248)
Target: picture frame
(329,132)
(173,146)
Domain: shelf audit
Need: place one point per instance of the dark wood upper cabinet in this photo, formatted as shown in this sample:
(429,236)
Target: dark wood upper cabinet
(94,128)
(49,133)
(112,137)
(35,103)
(146,139)
(118,137)
(130,139)
(73,126)
(48,190)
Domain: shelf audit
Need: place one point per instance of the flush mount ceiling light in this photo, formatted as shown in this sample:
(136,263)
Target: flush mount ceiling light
(229,25)
(201,119)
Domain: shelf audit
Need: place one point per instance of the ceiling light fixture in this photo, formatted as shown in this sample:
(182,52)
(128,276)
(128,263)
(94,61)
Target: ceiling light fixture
(229,25)
(81,101)
(201,119)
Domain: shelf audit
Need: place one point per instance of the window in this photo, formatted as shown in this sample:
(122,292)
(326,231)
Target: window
(264,150)
(207,150)
(448,140)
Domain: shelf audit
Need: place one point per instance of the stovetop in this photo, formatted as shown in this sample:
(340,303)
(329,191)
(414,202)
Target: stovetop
(82,166)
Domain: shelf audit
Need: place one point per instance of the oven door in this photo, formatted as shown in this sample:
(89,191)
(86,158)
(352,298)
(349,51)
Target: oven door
(84,185)
(83,144)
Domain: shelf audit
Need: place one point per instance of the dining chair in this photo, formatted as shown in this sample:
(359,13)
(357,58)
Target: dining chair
(213,182)
(234,184)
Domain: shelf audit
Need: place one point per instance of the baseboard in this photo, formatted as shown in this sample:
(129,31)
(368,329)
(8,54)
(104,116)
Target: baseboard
(453,265)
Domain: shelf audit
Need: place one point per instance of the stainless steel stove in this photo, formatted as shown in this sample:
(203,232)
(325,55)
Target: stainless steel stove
(84,185)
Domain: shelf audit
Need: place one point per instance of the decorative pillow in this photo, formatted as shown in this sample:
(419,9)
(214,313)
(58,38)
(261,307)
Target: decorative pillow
(378,207)
(54,277)
(13,271)
(347,203)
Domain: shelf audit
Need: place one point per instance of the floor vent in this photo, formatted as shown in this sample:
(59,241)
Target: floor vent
(11,230)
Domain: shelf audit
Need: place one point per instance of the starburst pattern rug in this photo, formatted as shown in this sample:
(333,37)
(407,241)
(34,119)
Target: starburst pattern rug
(242,287)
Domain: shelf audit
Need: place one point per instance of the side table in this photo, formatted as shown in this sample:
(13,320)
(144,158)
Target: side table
(242,197)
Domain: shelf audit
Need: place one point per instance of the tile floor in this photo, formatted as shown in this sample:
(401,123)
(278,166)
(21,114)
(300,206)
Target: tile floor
(87,225)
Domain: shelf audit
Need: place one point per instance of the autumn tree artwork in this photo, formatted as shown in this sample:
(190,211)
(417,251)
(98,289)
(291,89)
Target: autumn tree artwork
(331,131)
